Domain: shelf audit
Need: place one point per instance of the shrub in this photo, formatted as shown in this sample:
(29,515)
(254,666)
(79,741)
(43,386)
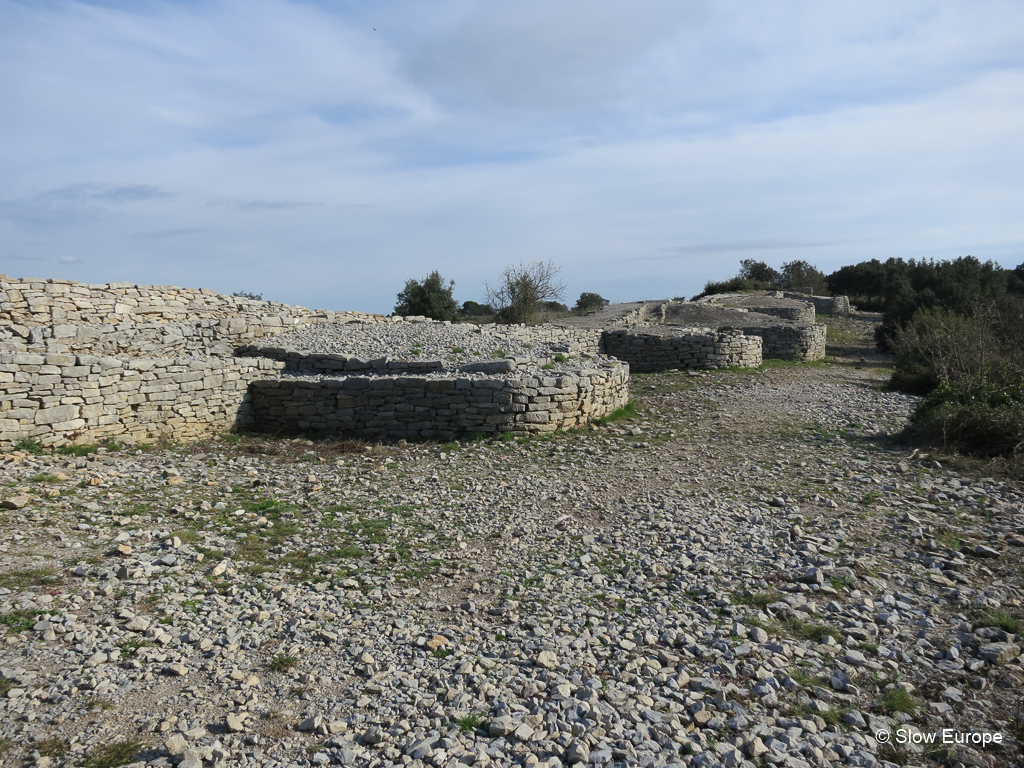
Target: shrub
(474,309)
(970,369)
(430,298)
(589,302)
(523,290)
(758,276)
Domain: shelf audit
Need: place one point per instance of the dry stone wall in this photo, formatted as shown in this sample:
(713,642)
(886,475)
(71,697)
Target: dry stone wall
(61,316)
(826,305)
(58,398)
(659,350)
(800,313)
(438,407)
(791,342)
(85,363)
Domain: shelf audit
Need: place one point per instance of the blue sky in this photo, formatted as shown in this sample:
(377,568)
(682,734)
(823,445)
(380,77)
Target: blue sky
(322,153)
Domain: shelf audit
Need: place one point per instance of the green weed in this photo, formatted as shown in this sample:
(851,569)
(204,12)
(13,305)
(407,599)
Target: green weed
(282,663)
(30,445)
(469,722)
(113,755)
(898,700)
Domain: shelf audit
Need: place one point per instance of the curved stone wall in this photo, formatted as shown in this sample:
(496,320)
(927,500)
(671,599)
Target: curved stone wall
(791,342)
(438,407)
(659,350)
(58,399)
(800,313)
(826,305)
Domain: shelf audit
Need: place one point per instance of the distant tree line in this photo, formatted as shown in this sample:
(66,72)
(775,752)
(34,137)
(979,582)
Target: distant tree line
(758,276)
(523,293)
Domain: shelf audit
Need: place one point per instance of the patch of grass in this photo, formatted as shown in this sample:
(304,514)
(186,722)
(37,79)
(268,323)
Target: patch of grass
(29,577)
(5,685)
(187,536)
(29,445)
(17,621)
(130,648)
(498,353)
(805,678)
(898,700)
(628,411)
(1003,619)
(469,722)
(5,744)
(871,648)
(52,747)
(442,653)
(757,599)
(95,702)
(830,716)
(113,755)
(842,583)
(806,630)
(282,663)
(44,479)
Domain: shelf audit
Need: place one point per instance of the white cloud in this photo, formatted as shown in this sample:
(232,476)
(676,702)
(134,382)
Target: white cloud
(645,146)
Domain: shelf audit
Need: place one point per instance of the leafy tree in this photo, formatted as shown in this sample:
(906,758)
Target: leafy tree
(473,309)
(430,298)
(801,274)
(523,289)
(759,272)
(589,302)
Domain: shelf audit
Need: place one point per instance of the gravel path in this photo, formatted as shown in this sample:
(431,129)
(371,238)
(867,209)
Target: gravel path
(747,573)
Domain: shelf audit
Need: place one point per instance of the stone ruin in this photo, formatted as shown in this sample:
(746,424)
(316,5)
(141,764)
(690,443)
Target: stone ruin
(133,363)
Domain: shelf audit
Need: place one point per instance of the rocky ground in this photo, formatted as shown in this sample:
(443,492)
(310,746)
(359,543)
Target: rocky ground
(455,344)
(747,572)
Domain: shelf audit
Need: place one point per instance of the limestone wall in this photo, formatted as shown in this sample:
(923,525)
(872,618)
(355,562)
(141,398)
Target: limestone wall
(826,305)
(438,407)
(784,342)
(37,301)
(654,350)
(57,398)
(801,313)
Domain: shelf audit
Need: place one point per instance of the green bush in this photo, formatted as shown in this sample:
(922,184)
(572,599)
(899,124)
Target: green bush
(970,369)
(589,302)
(430,298)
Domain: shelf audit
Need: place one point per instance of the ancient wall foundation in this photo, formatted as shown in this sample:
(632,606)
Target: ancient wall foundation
(438,407)
(803,312)
(785,342)
(826,305)
(59,399)
(659,350)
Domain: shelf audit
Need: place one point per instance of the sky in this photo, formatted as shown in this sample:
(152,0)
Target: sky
(323,152)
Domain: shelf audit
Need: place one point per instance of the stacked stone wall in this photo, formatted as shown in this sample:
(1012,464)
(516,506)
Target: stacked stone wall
(826,305)
(122,318)
(801,313)
(699,348)
(785,342)
(438,407)
(58,399)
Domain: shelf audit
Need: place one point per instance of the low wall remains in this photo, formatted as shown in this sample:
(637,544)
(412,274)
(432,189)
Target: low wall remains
(826,305)
(657,350)
(800,313)
(58,399)
(790,342)
(438,407)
